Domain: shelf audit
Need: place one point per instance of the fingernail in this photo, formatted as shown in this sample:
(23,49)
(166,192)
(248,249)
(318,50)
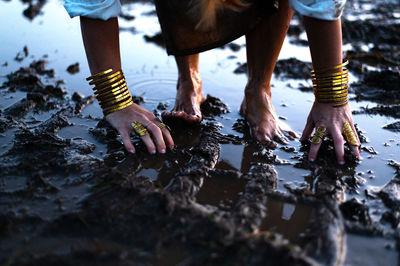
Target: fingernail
(132,151)
(153,152)
(311,159)
(162,151)
(341,162)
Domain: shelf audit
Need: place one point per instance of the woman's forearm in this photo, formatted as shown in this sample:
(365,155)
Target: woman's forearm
(101,41)
(325,41)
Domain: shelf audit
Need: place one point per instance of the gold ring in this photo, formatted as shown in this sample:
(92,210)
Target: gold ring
(318,135)
(139,129)
(349,135)
(162,125)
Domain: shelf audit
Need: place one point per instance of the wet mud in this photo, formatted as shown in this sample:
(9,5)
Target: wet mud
(70,194)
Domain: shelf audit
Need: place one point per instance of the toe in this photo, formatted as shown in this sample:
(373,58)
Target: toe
(192,119)
(280,138)
(166,114)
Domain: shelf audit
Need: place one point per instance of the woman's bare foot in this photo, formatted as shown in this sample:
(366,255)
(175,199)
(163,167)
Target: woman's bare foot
(189,97)
(257,109)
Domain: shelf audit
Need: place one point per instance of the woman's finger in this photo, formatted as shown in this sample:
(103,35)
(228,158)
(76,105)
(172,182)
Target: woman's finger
(308,129)
(165,130)
(316,142)
(287,131)
(157,136)
(126,140)
(151,148)
(280,138)
(168,138)
(338,142)
(355,149)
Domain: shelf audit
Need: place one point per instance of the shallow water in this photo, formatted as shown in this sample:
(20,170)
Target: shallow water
(152,74)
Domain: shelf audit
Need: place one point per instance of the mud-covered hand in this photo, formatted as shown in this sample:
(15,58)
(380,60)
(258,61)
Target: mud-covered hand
(329,120)
(158,137)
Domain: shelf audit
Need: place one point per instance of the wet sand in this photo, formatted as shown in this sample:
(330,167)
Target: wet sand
(70,194)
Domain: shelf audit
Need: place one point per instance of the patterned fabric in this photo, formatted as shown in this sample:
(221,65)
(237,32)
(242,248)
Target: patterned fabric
(97,9)
(320,9)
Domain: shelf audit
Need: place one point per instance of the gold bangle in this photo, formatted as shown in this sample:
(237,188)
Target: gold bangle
(100,90)
(331,100)
(341,104)
(331,77)
(331,68)
(117,108)
(335,75)
(115,102)
(338,91)
(339,74)
(112,91)
(110,81)
(336,88)
(330,82)
(342,93)
(125,101)
(331,95)
(116,97)
(100,80)
(336,101)
(343,86)
(99,74)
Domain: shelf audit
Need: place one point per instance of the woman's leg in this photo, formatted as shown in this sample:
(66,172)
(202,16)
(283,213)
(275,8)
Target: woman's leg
(189,95)
(101,41)
(263,46)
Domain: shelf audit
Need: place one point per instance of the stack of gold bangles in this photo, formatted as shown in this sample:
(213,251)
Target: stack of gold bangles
(330,85)
(111,90)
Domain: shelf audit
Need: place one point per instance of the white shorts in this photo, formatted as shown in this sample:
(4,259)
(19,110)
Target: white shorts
(320,9)
(97,9)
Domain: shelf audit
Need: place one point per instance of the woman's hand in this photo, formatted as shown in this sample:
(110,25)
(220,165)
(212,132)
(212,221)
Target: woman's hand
(333,119)
(157,139)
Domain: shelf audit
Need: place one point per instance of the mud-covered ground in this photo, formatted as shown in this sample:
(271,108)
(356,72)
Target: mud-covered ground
(70,194)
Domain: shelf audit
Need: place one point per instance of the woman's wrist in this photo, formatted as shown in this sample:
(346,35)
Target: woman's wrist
(331,85)
(111,90)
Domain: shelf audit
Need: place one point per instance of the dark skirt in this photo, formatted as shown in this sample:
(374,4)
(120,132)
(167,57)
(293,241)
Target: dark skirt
(181,37)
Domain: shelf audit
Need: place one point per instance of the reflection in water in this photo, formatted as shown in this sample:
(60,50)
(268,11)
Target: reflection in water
(230,157)
(221,189)
(162,168)
(288,219)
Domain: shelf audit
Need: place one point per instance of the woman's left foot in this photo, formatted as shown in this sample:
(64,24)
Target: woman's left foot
(257,109)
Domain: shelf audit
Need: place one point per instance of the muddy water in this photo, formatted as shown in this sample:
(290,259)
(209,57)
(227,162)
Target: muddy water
(151,74)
